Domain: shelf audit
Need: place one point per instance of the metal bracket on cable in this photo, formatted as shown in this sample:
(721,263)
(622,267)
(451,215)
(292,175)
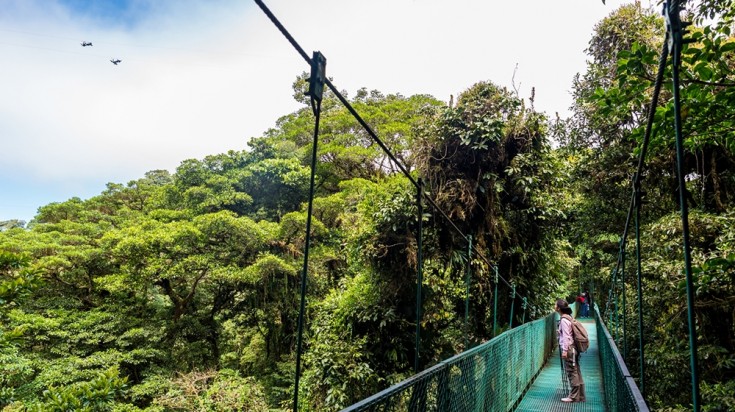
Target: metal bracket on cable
(318,76)
(512,303)
(524,305)
(639,194)
(675,28)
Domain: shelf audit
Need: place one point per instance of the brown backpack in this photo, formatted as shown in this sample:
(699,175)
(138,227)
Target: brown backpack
(579,334)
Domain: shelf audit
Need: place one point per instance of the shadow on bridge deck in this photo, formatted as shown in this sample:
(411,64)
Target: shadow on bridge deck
(546,392)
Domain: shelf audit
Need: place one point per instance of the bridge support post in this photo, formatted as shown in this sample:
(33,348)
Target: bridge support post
(512,304)
(524,305)
(495,304)
(467,280)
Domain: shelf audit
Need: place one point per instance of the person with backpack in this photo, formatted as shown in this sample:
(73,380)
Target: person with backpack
(570,350)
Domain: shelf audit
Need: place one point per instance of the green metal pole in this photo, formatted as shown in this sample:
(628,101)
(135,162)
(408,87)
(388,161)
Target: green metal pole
(512,305)
(316,87)
(617,317)
(641,378)
(616,322)
(467,292)
(524,305)
(609,311)
(420,272)
(622,280)
(495,304)
(676,41)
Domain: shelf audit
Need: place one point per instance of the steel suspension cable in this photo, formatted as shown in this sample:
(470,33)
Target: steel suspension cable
(674,36)
(369,130)
(637,177)
(363,123)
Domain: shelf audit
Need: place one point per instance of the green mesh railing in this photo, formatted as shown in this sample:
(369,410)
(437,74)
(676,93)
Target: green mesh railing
(490,377)
(621,391)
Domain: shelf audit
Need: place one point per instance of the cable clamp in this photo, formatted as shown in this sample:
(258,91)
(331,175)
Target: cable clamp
(318,76)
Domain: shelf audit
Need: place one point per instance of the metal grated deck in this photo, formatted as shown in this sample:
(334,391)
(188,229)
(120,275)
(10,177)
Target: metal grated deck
(546,392)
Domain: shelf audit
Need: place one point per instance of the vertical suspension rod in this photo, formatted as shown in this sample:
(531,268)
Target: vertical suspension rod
(641,377)
(495,304)
(624,312)
(524,306)
(420,271)
(672,9)
(512,304)
(468,277)
(300,325)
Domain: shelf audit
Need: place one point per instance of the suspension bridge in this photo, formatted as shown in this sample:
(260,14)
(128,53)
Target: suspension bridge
(520,369)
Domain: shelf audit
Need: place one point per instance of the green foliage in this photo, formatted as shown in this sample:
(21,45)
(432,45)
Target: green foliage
(97,395)
(181,291)
(604,137)
(343,353)
(16,282)
(213,391)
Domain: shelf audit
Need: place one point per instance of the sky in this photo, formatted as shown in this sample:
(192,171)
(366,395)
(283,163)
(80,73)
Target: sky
(201,77)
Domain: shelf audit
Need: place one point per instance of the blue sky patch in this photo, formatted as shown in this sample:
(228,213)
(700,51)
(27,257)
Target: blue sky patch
(122,13)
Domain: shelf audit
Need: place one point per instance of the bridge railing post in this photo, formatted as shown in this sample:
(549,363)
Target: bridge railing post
(524,305)
(512,303)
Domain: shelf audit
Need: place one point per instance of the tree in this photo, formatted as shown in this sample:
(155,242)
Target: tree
(605,132)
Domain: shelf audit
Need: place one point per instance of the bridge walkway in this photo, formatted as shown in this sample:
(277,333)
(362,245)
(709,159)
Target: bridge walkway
(546,392)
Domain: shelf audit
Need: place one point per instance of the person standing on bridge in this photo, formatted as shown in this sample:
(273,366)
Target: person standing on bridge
(569,355)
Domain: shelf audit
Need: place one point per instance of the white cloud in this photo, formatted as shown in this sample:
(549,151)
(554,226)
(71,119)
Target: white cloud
(201,77)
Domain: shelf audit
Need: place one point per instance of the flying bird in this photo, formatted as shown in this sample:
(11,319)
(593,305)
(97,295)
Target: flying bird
(86,43)
(115,61)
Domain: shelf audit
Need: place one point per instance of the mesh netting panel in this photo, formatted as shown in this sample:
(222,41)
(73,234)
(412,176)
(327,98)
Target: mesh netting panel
(489,377)
(621,391)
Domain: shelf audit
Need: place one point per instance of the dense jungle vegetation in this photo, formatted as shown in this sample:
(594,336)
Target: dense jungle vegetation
(180,291)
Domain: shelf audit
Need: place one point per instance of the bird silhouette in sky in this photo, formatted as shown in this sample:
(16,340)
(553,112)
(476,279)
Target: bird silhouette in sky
(115,61)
